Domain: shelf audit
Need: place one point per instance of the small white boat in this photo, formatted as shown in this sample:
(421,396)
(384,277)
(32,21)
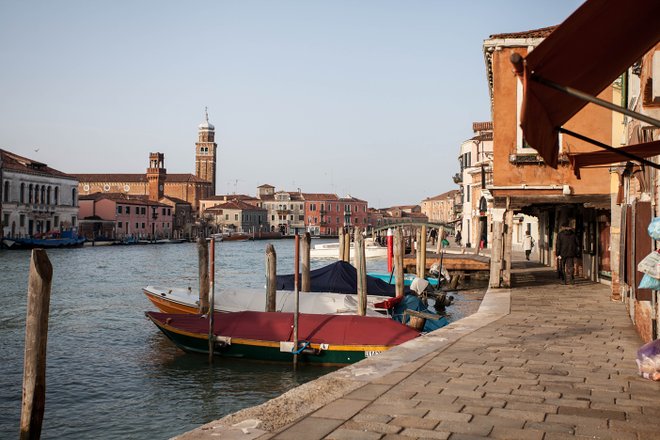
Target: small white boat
(331,250)
(182,300)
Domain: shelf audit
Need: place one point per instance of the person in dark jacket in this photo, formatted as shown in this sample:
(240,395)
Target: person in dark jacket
(567,250)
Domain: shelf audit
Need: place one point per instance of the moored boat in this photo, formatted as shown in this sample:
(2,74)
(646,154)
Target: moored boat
(268,336)
(54,239)
(182,300)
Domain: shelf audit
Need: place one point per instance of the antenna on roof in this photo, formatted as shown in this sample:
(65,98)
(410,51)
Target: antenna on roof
(206,113)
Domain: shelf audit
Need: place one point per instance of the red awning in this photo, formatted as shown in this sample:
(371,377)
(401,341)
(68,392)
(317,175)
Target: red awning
(604,157)
(587,52)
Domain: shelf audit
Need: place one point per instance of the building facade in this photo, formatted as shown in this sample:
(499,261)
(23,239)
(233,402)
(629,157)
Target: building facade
(136,217)
(35,199)
(522,183)
(237,216)
(285,210)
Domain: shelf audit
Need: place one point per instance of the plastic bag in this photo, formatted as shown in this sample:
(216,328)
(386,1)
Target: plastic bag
(648,282)
(648,360)
(654,228)
(650,265)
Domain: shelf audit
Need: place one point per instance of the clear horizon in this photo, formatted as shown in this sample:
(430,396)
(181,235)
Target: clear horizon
(370,98)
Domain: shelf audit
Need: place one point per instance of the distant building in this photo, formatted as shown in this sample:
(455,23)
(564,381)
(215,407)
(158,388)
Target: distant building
(157,183)
(237,216)
(396,215)
(35,198)
(442,208)
(327,214)
(118,216)
(285,210)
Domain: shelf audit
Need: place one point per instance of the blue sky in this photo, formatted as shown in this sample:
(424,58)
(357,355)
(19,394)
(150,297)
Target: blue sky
(370,98)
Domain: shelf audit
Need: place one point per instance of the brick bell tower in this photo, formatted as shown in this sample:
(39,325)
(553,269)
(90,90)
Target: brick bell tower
(156,175)
(206,152)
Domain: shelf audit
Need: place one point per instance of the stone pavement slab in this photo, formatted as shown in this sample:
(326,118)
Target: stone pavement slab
(539,361)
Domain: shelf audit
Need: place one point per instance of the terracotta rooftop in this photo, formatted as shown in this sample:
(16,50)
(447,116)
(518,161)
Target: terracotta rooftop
(123,198)
(444,195)
(534,33)
(234,204)
(319,196)
(136,178)
(14,162)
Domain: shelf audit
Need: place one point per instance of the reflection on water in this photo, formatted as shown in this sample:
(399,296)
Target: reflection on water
(110,373)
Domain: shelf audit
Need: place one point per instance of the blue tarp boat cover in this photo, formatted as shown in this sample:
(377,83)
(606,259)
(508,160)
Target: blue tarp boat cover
(412,302)
(339,277)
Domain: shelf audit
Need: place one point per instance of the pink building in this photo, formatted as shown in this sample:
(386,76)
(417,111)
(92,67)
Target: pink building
(326,214)
(120,216)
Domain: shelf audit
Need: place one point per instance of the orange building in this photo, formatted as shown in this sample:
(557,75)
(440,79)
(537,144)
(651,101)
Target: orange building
(523,183)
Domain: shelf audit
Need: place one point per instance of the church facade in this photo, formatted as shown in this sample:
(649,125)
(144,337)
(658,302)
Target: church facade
(156,183)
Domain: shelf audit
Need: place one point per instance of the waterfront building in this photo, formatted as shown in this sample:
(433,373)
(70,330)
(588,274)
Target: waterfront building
(214,200)
(396,215)
(237,216)
(326,214)
(121,216)
(35,198)
(285,210)
(157,182)
(523,183)
(443,208)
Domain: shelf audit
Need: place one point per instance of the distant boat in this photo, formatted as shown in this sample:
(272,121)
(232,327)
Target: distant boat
(331,250)
(52,239)
(231,236)
(268,336)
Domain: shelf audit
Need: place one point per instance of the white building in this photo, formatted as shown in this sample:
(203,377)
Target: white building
(285,210)
(35,198)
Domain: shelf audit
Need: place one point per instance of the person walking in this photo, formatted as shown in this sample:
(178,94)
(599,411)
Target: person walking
(567,250)
(528,244)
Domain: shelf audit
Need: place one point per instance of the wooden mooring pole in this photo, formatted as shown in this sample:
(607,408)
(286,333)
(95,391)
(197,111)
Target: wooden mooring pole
(398,262)
(211,299)
(421,270)
(271,278)
(341,245)
(306,245)
(36,338)
(296,274)
(361,266)
(203,257)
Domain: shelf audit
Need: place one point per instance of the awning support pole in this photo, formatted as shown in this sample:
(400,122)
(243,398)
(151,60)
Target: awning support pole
(610,148)
(581,95)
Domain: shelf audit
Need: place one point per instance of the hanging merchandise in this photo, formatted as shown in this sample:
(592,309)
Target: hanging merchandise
(648,282)
(648,360)
(650,265)
(654,228)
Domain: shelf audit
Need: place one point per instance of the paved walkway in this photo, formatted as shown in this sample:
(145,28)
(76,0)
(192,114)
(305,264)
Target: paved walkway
(539,361)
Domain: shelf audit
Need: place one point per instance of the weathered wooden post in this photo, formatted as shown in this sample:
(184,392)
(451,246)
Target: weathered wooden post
(36,338)
(271,278)
(296,272)
(211,299)
(306,245)
(398,262)
(341,245)
(421,271)
(347,246)
(417,247)
(361,266)
(203,256)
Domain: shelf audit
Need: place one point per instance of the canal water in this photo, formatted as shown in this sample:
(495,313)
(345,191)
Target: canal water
(110,373)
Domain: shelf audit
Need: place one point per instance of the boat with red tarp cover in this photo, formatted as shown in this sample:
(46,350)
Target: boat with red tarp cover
(268,336)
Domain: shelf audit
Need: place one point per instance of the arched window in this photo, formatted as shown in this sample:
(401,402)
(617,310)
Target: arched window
(43,194)
(57,196)
(6,191)
(48,196)
(36,193)
(73,198)
(30,190)
(21,196)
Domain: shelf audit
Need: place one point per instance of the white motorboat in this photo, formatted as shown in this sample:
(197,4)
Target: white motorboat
(331,250)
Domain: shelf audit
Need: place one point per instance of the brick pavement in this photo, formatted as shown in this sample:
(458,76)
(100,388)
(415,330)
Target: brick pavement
(560,365)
